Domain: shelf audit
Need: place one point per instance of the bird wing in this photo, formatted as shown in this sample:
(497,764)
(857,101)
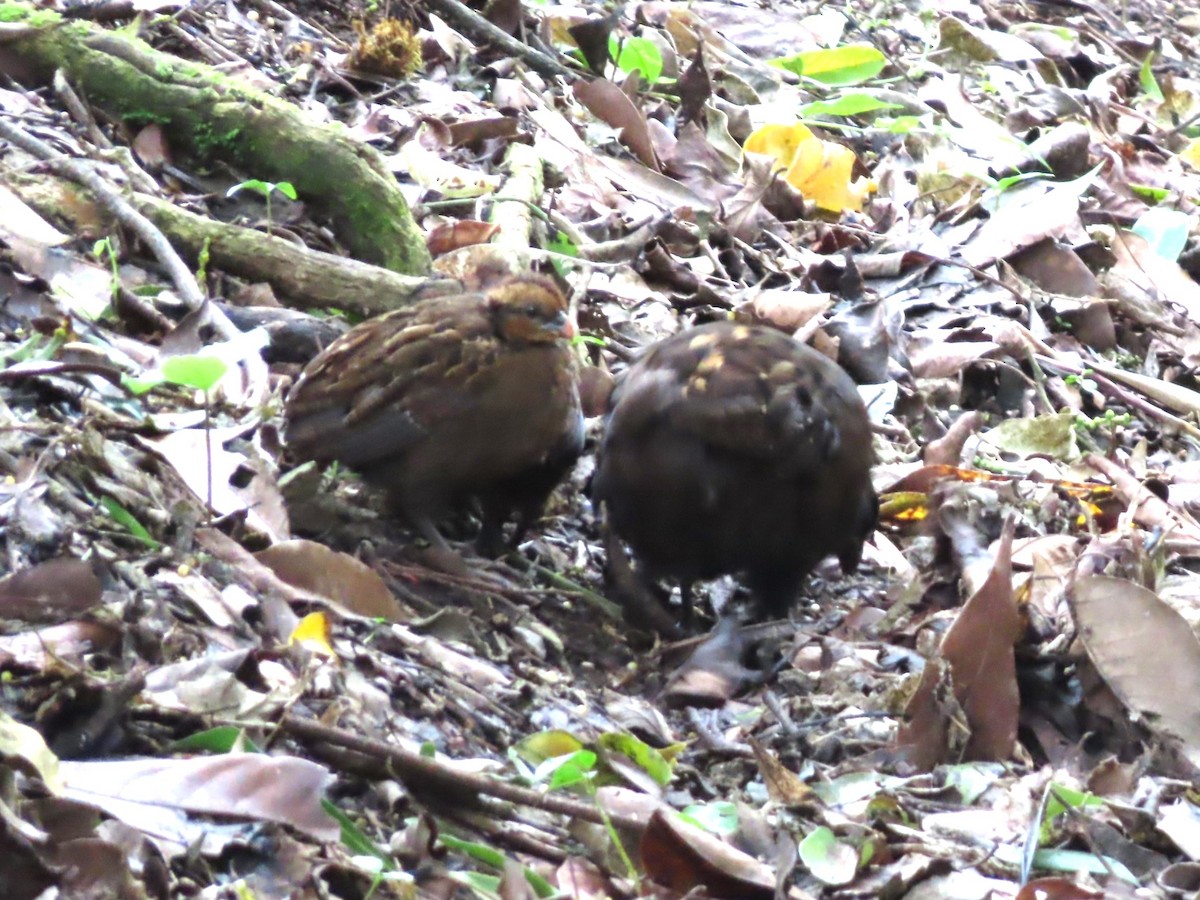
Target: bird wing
(341,407)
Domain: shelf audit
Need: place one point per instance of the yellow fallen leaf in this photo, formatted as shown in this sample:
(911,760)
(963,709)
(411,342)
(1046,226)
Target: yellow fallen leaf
(779,141)
(820,170)
(312,633)
(1191,153)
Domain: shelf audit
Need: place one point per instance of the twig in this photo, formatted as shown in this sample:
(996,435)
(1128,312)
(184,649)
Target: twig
(79,112)
(78,171)
(479,27)
(1128,396)
(425,772)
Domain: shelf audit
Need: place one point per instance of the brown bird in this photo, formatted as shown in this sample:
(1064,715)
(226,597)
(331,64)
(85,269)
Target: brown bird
(470,396)
(734,449)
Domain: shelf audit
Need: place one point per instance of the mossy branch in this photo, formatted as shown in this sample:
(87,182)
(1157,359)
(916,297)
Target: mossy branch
(210,117)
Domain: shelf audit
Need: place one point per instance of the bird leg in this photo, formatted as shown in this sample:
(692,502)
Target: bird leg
(640,605)
(440,555)
(685,600)
(490,542)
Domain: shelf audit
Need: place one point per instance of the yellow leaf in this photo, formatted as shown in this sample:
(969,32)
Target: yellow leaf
(1191,154)
(818,169)
(313,634)
(821,171)
(779,141)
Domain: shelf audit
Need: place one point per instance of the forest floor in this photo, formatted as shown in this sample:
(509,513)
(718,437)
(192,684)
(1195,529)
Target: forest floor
(228,676)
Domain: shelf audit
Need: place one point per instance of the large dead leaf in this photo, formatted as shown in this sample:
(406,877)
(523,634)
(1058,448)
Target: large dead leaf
(213,472)
(1145,652)
(50,591)
(683,857)
(979,648)
(282,789)
(340,577)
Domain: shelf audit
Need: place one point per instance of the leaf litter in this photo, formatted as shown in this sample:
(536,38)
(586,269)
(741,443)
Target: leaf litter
(986,218)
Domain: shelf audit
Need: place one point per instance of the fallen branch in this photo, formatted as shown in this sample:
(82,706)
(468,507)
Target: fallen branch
(213,117)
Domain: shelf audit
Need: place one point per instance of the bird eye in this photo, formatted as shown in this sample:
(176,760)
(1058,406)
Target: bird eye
(532,311)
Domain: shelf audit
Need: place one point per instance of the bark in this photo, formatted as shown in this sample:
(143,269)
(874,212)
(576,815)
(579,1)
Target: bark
(302,278)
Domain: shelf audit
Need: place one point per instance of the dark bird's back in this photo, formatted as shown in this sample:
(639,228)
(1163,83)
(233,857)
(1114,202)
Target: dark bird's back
(734,449)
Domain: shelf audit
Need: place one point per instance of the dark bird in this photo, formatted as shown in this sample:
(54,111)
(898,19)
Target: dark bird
(733,449)
(457,398)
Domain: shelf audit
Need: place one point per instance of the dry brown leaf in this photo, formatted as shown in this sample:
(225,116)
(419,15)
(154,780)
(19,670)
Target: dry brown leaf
(50,591)
(1145,652)
(683,857)
(979,649)
(346,581)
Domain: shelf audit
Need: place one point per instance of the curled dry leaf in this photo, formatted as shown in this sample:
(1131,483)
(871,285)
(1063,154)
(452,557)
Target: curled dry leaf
(683,857)
(979,648)
(714,673)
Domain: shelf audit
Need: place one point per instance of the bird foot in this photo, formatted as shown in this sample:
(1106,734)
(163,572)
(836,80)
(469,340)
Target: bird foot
(639,604)
(448,561)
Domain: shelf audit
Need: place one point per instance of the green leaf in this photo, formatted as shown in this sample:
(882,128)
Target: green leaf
(848,64)
(565,771)
(971,779)
(903,124)
(573,771)
(125,519)
(719,817)
(537,748)
(354,838)
(1010,181)
(36,346)
(482,884)
(593,339)
(563,244)
(1081,861)
(827,858)
(637,53)
(286,188)
(142,384)
(222,739)
(1165,230)
(1147,79)
(489,856)
(646,757)
(194,371)
(1060,800)
(846,105)
(1150,193)
(253,184)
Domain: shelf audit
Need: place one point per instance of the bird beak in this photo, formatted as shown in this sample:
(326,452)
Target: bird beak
(562,326)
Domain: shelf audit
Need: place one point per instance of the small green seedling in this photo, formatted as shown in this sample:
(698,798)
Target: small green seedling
(637,53)
(194,370)
(267,189)
(105,249)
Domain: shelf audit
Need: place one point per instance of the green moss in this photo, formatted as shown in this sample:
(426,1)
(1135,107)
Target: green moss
(43,18)
(143,118)
(20,12)
(209,142)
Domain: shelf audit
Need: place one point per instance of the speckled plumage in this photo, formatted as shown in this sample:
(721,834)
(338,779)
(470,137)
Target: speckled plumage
(456,397)
(732,449)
